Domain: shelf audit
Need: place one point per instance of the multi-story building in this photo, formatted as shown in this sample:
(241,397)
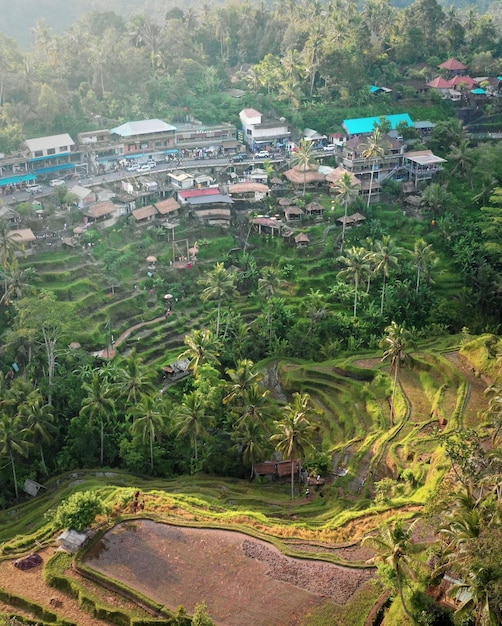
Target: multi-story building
(373,171)
(259,132)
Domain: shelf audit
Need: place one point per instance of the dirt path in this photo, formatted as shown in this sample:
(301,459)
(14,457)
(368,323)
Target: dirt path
(109,353)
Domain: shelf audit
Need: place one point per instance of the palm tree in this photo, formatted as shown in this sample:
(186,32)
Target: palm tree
(394,547)
(437,198)
(250,442)
(9,245)
(478,589)
(14,440)
(303,158)
(464,158)
(294,431)
(40,421)
(17,282)
(134,380)
(220,283)
(374,151)
(98,404)
(190,418)
(425,258)
(242,377)
(395,343)
(256,407)
(149,420)
(269,281)
(347,190)
(357,266)
(202,347)
(385,257)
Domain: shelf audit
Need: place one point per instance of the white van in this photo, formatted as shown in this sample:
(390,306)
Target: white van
(34,188)
(56,182)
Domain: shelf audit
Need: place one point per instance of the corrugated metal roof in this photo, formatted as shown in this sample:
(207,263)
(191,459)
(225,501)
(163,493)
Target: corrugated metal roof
(49,143)
(143,127)
(365,125)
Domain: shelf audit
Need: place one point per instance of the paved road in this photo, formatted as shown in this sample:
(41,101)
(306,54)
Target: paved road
(164,166)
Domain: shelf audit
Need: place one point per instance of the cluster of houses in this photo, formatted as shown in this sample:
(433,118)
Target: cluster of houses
(194,191)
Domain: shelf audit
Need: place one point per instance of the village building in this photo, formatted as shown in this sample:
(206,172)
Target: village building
(453,67)
(249,192)
(169,207)
(106,213)
(181,180)
(85,197)
(144,215)
(260,132)
(23,237)
(185,195)
(206,139)
(366,125)
(143,138)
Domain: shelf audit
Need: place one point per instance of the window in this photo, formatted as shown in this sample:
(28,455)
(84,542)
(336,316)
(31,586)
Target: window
(39,153)
(51,151)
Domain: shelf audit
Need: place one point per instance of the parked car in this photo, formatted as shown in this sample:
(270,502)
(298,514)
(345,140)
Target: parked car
(329,148)
(262,154)
(34,188)
(152,164)
(56,182)
(237,158)
(143,168)
(133,167)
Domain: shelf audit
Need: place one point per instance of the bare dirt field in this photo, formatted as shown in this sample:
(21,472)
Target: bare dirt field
(243,581)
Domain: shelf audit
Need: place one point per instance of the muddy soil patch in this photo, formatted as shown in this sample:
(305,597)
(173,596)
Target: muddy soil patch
(243,580)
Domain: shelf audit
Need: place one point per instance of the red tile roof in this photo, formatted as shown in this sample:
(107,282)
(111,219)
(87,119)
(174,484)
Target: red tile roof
(194,193)
(452,64)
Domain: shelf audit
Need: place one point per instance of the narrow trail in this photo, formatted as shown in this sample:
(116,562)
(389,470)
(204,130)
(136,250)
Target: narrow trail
(110,352)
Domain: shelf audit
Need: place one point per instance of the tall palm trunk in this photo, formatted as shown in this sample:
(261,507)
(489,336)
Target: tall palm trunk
(393,399)
(14,473)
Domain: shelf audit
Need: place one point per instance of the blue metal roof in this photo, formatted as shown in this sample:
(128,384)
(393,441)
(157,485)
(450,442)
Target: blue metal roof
(366,125)
(478,91)
(55,168)
(15,180)
(49,156)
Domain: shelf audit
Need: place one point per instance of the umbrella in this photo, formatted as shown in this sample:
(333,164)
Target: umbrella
(151,259)
(168,296)
(74,345)
(284,201)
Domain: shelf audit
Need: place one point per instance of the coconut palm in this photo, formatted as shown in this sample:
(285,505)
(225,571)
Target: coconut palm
(425,258)
(250,442)
(347,191)
(39,419)
(395,343)
(269,281)
(14,440)
(294,431)
(149,421)
(19,282)
(219,283)
(303,158)
(374,151)
(256,407)
(134,380)
(385,257)
(357,266)
(9,245)
(190,418)
(98,404)
(242,377)
(202,347)
(394,547)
